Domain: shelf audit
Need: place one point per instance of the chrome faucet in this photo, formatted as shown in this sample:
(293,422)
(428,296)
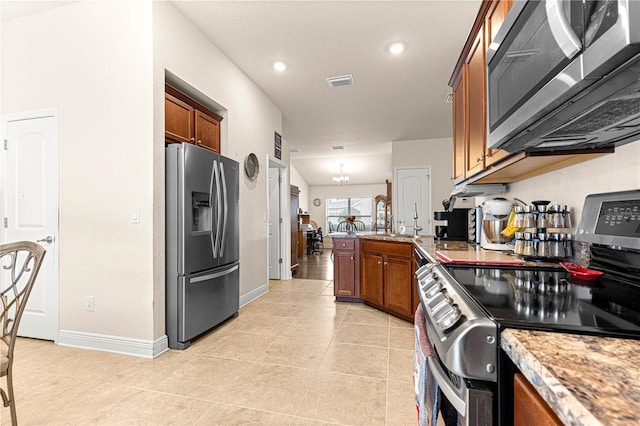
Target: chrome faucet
(416,228)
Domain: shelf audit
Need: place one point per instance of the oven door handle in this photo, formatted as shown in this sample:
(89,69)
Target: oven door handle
(447,387)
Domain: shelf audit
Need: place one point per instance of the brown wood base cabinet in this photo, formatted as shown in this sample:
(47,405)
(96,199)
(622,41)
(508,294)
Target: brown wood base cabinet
(345,269)
(529,409)
(386,276)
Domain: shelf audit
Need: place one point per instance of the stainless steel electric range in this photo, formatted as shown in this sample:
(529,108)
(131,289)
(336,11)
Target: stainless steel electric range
(466,307)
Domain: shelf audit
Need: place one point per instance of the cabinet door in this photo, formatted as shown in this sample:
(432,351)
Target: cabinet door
(178,120)
(529,409)
(344,273)
(495,17)
(476,103)
(397,285)
(371,278)
(207,131)
(459,129)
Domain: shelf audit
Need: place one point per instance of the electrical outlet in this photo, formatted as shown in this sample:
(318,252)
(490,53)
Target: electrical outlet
(88,303)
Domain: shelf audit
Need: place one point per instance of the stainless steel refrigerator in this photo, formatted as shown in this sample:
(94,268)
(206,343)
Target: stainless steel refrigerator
(202,276)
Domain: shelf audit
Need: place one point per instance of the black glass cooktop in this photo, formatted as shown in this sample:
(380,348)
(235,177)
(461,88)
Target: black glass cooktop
(550,299)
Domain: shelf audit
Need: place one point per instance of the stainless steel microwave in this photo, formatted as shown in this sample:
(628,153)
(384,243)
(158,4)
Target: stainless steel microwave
(565,75)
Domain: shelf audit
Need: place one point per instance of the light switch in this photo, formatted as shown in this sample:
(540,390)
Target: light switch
(135,215)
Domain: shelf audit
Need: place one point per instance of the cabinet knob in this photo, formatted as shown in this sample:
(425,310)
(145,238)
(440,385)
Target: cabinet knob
(386,263)
(379,262)
(351,257)
(192,139)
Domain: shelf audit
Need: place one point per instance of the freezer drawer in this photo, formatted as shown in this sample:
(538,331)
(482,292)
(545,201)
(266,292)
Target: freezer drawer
(206,299)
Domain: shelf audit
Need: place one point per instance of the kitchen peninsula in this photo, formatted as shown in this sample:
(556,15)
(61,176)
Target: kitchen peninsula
(583,380)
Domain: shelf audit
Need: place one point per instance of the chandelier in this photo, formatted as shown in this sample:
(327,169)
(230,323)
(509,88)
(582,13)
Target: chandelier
(342,179)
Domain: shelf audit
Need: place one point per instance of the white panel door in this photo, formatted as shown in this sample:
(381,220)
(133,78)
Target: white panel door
(413,191)
(274,224)
(31,212)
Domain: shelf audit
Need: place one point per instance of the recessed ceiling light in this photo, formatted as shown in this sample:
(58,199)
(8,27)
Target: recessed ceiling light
(396,48)
(279,66)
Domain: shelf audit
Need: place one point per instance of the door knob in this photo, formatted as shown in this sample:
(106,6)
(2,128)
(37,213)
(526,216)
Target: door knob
(47,240)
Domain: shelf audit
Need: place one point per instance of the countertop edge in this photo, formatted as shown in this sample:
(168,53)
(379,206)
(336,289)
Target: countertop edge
(560,399)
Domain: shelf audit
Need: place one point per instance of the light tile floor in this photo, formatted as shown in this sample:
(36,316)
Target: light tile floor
(292,357)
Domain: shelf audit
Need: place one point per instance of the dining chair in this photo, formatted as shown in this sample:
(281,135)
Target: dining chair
(342,226)
(19,265)
(360,225)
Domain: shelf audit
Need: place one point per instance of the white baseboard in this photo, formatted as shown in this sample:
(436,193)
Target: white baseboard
(114,344)
(254,294)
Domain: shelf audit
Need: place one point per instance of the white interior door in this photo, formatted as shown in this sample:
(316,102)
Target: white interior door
(30,188)
(275,221)
(413,190)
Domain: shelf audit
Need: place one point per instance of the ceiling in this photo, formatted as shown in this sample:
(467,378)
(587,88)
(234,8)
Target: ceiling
(394,97)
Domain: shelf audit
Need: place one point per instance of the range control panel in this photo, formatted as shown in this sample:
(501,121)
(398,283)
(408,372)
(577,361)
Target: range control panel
(620,218)
(611,219)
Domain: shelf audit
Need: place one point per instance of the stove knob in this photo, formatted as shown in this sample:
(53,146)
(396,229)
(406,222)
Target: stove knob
(428,282)
(442,310)
(451,319)
(433,290)
(433,302)
(423,271)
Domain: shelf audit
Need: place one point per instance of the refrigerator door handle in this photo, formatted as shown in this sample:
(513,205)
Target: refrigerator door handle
(213,241)
(214,275)
(225,207)
(217,164)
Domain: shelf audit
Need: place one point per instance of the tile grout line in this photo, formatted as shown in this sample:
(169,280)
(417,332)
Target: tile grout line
(386,404)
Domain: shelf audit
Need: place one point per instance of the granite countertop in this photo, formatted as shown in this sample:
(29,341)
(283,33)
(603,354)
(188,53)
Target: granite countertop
(586,380)
(428,245)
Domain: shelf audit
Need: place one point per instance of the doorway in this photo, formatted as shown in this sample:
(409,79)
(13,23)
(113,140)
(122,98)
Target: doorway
(279,239)
(30,209)
(413,195)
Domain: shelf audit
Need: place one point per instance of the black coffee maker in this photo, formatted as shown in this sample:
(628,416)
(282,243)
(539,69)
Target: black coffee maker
(455,226)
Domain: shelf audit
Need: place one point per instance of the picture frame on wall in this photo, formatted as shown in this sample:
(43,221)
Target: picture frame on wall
(277,145)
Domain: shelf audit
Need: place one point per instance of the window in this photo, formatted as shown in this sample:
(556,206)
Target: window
(338,209)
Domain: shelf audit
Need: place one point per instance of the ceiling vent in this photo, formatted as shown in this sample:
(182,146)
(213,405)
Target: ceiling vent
(448,98)
(337,147)
(343,80)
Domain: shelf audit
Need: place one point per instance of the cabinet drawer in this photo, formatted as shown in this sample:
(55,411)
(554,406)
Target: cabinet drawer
(344,244)
(392,249)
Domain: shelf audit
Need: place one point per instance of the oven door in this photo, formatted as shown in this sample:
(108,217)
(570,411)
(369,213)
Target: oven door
(533,65)
(461,401)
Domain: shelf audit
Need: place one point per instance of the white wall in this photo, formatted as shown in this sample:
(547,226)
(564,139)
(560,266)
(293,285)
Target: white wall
(251,119)
(93,61)
(436,154)
(569,186)
(304,201)
(102,65)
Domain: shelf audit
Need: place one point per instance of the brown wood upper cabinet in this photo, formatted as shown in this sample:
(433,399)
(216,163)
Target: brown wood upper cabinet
(470,153)
(186,120)
(473,161)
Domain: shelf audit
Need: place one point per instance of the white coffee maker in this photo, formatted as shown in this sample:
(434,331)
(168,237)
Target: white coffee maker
(495,216)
